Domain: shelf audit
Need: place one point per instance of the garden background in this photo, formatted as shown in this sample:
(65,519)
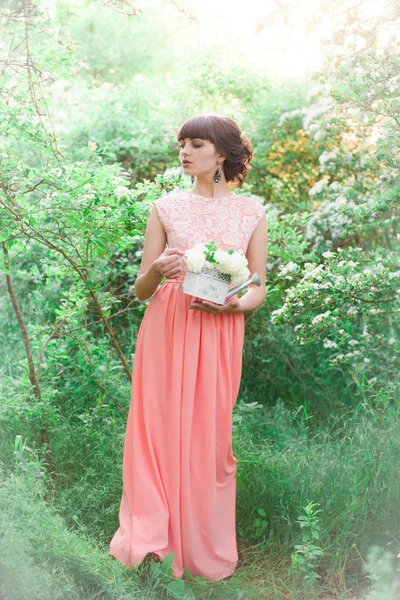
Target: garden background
(92,94)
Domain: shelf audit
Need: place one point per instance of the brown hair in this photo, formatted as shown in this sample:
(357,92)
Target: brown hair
(225,134)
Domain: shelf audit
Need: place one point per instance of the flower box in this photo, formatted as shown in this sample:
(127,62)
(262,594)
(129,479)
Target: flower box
(211,270)
(208,284)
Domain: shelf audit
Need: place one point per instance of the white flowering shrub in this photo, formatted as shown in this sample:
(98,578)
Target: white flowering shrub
(342,303)
(328,225)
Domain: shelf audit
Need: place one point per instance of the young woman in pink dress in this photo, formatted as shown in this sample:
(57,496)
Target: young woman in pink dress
(179,486)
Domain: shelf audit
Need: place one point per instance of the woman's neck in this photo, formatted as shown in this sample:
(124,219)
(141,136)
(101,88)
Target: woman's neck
(211,190)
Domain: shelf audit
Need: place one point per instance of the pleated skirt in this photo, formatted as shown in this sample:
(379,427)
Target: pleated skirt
(179,472)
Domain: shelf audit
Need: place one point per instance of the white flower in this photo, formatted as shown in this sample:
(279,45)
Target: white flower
(220,256)
(320,317)
(291,267)
(234,264)
(241,276)
(328,254)
(195,258)
(278,312)
(318,187)
(121,191)
(92,146)
(329,343)
(394,275)
(172,172)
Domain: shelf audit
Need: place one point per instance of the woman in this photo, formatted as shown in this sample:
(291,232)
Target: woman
(179,486)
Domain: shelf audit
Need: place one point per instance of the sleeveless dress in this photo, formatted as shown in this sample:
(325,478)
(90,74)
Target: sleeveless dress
(179,486)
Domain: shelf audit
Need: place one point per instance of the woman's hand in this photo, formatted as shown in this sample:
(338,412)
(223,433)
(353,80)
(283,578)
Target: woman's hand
(231,306)
(169,263)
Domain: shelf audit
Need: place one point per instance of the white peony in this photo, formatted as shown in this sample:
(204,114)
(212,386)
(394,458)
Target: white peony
(220,257)
(230,263)
(195,258)
(240,276)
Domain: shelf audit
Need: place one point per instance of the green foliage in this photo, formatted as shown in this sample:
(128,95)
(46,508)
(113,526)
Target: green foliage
(345,468)
(118,48)
(39,557)
(303,560)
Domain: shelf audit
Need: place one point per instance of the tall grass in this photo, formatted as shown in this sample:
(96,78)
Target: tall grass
(349,468)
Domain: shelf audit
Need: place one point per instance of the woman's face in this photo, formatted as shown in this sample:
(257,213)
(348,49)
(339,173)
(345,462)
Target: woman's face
(198,157)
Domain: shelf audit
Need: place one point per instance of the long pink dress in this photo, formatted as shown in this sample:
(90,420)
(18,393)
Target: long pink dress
(179,486)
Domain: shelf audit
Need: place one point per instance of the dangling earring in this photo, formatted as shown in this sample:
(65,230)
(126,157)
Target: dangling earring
(218,173)
(192,178)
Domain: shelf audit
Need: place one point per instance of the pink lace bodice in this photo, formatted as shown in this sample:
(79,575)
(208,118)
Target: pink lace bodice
(189,219)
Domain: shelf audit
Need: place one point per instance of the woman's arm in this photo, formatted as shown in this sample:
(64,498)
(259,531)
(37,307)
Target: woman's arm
(257,262)
(156,261)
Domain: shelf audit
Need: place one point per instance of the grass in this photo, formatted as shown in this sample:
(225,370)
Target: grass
(54,540)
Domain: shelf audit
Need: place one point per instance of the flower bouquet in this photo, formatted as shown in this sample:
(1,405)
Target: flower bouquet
(211,270)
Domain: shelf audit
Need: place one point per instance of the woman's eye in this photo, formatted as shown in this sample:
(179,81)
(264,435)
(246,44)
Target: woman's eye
(195,146)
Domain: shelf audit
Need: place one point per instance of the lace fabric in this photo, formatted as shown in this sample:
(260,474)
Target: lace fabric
(189,219)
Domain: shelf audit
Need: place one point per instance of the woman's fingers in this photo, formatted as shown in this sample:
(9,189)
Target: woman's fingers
(217,309)
(203,306)
(172,274)
(171,262)
(170,251)
(173,269)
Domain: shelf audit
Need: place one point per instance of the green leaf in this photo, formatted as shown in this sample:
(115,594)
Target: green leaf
(141,196)
(188,574)
(167,562)
(177,589)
